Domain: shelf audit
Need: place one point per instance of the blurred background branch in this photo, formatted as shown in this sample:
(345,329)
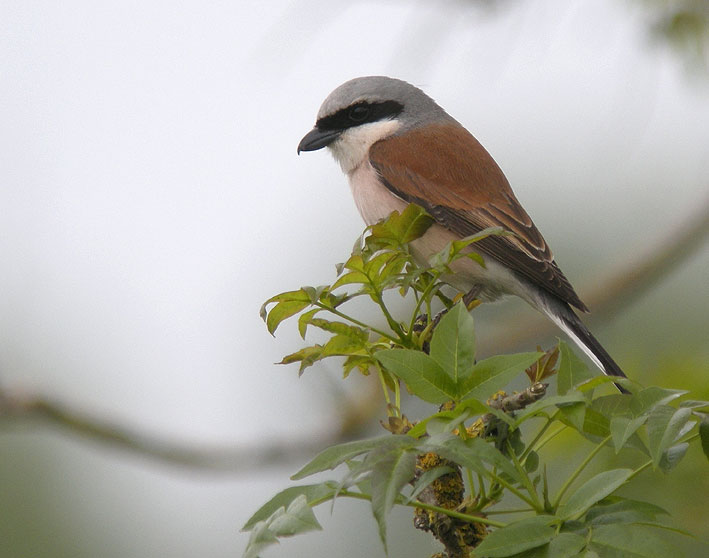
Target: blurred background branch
(631,282)
(40,412)
(357,411)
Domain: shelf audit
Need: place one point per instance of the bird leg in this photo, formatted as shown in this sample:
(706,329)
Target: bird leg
(470,299)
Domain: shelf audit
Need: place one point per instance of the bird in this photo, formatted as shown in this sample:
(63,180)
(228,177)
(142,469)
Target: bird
(397,146)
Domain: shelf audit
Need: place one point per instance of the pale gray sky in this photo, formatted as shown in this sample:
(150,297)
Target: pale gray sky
(151,199)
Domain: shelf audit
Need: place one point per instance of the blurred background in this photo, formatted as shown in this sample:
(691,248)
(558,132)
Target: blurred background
(151,199)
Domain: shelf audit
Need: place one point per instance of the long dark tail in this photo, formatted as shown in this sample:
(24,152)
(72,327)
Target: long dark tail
(562,314)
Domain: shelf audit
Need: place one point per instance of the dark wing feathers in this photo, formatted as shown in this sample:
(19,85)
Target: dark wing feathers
(467,196)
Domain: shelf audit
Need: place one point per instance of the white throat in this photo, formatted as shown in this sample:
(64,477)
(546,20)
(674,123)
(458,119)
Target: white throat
(352,147)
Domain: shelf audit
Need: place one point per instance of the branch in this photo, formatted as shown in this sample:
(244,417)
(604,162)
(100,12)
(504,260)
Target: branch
(237,459)
(624,287)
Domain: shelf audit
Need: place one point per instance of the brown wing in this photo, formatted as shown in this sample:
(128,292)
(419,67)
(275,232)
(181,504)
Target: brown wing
(467,194)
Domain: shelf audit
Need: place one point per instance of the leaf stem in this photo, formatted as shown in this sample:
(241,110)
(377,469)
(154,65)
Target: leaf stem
(393,324)
(385,389)
(537,505)
(481,484)
(457,515)
(650,462)
(397,393)
(542,430)
(463,433)
(549,438)
(356,321)
(512,489)
(578,471)
(430,507)
(424,298)
(501,512)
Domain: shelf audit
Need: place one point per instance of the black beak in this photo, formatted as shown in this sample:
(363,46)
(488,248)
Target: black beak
(317,139)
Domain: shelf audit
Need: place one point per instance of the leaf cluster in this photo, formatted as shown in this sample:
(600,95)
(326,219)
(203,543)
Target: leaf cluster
(495,449)
(381,260)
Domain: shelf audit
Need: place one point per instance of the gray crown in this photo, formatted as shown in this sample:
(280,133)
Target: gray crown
(419,108)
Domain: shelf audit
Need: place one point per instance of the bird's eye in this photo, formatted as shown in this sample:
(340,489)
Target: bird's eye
(358,113)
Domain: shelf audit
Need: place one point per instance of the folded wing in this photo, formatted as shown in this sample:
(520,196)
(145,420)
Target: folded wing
(467,195)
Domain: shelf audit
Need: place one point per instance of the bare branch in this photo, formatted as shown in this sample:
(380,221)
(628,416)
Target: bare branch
(238,459)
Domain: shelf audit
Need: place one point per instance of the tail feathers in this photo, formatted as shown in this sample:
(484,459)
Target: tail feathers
(570,323)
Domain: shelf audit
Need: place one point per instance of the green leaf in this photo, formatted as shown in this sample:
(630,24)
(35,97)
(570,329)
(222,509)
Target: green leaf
(559,401)
(463,410)
(289,296)
(307,356)
(304,320)
(453,343)
(297,518)
(374,266)
(393,268)
(471,453)
(457,249)
(283,499)
(704,435)
(612,405)
(622,428)
(352,277)
(648,398)
(572,370)
(574,415)
(284,310)
(362,363)
(595,424)
(517,537)
(615,510)
(425,378)
(333,456)
(494,373)
(694,404)
(664,425)
(596,381)
(400,228)
(592,491)
(427,478)
(315,293)
(631,541)
(531,464)
(393,470)
(412,224)
(598,415)
(672,456)
(339,328)
(344,345)
(564,545)
(355,263)
(261,537)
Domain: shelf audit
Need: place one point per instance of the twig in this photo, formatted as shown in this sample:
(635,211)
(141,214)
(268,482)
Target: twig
(237,459)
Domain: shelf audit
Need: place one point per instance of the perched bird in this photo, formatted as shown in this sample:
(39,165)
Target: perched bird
(397,146)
